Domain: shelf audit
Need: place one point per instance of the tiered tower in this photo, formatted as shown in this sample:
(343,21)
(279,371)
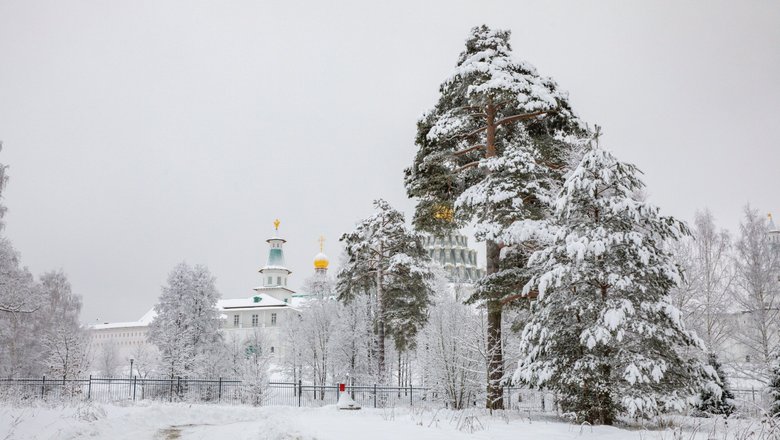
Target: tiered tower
(774,232)
(453,253)
(274,274)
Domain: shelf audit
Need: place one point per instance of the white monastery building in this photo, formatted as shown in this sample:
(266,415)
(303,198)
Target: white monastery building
(272,304)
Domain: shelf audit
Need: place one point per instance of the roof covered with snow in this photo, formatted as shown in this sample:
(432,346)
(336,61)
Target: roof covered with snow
(256,301)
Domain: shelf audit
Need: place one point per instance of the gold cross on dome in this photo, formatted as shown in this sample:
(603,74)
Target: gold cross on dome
(276,224)
(322,242)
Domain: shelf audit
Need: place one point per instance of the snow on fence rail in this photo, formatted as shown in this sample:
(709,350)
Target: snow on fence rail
(751,401)
(237,392)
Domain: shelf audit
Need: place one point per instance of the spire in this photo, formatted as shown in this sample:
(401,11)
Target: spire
(772,226)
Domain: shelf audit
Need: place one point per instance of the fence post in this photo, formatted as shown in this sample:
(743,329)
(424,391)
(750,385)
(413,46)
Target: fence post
(374,395)
(219,392)
(135,382)
(411,401)
(170,393)
(178,387)
(89,388)
(300,392)
(43,385)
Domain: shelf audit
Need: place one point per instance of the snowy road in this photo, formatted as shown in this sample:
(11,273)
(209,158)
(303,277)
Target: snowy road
(185,422)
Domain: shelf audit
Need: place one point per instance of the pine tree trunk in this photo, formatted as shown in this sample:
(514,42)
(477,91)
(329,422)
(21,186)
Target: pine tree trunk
(495,373)
(381,325)
(495,392)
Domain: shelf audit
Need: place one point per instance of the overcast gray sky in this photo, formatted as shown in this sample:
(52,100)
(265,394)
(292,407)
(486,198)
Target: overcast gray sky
(143,133)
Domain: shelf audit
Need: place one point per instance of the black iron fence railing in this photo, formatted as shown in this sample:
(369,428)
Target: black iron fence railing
(229,391)
(113,389)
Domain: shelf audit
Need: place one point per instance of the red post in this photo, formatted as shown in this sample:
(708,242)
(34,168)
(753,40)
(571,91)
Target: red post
(342,387)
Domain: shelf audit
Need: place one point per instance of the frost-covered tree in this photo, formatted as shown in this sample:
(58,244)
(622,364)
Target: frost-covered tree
(64,340)
(18,293)
(355,341)
(319,285)
(319,323)
(292,339)
(145,357)
(493,112)
(107,360)
(20,298)
(604,334)
(252,368)
(714,403)
(757,292)
(704,293)
(450,345)
(187,323)
(387,262)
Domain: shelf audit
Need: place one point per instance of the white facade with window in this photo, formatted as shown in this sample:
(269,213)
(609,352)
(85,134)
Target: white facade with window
(265,311)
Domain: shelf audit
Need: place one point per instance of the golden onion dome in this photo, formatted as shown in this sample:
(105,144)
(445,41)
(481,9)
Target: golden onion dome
(321,261)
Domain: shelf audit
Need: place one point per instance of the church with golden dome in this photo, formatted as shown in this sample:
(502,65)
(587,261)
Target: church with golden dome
(268,308)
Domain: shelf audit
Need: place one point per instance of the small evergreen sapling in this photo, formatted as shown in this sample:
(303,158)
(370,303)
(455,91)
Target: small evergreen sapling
(712,402)
(774,391)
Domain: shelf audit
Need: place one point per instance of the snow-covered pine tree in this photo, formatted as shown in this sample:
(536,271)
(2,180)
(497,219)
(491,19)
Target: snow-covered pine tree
(387,261)
(714,403)
(490,106)
(187,322)
(604,334)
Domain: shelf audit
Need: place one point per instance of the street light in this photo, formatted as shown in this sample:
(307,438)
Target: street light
(130,383)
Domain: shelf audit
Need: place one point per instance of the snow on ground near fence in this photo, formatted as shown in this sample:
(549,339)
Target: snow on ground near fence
(182,421)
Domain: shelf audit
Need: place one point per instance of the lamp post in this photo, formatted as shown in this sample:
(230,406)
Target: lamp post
(130,383)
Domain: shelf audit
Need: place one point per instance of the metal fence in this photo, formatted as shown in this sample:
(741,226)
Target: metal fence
(238,392)
(751,401)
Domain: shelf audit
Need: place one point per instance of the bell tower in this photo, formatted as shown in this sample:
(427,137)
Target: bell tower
(274,274)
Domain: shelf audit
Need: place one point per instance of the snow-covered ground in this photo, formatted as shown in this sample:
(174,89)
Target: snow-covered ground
(186,421)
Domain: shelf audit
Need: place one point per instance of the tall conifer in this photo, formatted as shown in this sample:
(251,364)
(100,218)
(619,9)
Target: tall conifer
(490,105)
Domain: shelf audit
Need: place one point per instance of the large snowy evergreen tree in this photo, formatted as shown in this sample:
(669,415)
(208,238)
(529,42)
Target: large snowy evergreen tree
(187,323)
(387,262)
(490,106)
(604,334)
